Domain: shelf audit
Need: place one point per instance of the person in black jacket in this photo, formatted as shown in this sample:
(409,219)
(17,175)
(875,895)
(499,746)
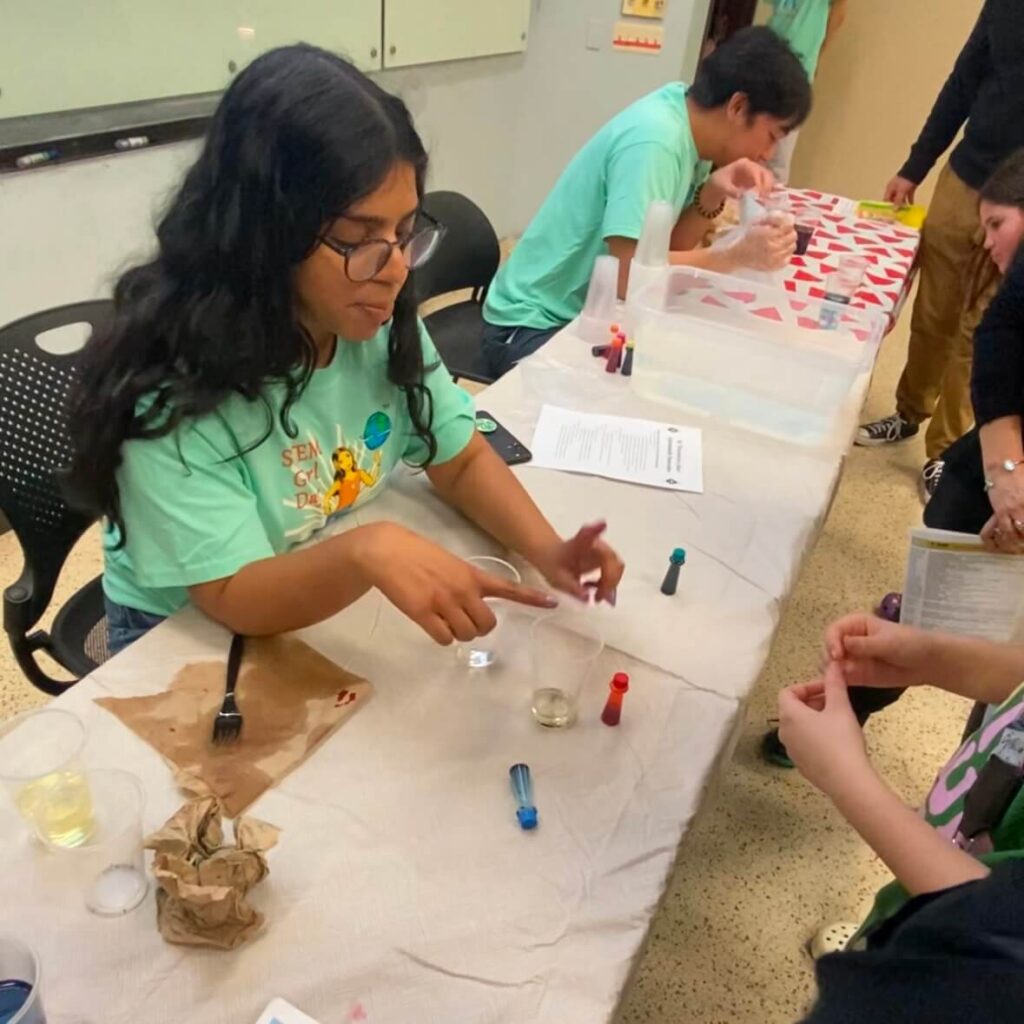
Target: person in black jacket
(982,488)
(985,89)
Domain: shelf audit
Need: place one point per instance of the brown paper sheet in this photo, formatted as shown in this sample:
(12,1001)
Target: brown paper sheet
(291,698)
(202,886)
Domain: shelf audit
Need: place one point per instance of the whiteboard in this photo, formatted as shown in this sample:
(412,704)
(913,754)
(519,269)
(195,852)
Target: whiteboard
(72,54)
(426,31)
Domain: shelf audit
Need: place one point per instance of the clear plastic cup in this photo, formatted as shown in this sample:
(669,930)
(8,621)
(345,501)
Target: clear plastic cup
(485,651)
(807,223)
(850,275)
(40,767)
(600,308)
(777,201)
(840,288)
(108,868)
(656,237)
(565,650)
(21,999)
(602,292)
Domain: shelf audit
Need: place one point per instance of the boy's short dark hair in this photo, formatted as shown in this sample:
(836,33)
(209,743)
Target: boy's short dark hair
(762,66)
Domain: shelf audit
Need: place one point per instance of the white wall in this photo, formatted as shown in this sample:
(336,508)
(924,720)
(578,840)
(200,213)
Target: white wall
(569,91)
(499,129)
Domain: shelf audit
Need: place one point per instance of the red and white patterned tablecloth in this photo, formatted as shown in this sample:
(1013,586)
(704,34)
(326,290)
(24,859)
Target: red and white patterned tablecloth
(889,249)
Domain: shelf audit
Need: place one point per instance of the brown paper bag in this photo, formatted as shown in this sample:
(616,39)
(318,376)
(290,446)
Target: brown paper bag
(291,698)
(202,886)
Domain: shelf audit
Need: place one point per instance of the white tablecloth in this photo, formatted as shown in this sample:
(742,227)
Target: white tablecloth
(402,887)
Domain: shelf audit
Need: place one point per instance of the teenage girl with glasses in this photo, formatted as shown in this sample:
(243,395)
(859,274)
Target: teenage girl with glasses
(269,348)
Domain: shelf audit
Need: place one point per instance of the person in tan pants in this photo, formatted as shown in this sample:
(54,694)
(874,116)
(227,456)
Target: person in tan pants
(985,89)
(936,380)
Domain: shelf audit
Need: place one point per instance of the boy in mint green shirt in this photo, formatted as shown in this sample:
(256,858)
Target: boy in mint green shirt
(807,25)
(746,97)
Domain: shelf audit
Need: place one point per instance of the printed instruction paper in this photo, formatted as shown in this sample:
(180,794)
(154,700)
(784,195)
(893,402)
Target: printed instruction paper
(954,585)
(620,448)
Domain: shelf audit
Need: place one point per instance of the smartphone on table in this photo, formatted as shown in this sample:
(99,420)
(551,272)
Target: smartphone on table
(512,451)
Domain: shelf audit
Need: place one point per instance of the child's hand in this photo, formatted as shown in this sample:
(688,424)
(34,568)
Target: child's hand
(443,594)
(873,652)
(569,560)
(821,733)
(741,176)
(765,246)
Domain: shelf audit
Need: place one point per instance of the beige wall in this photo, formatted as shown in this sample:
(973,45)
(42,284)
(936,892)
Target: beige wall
(875,86)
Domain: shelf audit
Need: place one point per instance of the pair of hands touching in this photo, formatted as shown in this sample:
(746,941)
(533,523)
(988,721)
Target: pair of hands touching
(765,246)
(817,724)
(445,595)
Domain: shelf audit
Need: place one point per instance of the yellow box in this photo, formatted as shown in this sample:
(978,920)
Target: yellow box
(908,216)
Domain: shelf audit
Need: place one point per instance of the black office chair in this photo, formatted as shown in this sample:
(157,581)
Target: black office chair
(468,257)
(34,447)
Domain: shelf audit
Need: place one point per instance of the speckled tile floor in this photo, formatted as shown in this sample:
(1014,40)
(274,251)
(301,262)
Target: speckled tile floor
(769,859)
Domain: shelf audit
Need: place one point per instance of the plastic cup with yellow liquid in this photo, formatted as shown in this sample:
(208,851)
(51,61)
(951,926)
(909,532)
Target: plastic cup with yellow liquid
(40,767)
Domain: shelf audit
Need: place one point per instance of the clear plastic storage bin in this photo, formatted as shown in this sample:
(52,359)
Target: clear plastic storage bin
(751,355)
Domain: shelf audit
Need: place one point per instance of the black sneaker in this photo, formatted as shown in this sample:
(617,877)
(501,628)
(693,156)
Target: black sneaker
(773,750)
(930,477)
(889,430)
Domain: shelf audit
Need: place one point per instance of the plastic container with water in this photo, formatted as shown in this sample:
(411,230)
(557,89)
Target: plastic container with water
(752,356)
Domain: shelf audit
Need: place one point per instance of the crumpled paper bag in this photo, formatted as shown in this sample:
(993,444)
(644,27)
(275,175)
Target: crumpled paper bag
(202,884)
(291,698)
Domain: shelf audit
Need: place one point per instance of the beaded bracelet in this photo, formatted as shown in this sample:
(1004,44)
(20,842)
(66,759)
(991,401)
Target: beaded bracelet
(705,213)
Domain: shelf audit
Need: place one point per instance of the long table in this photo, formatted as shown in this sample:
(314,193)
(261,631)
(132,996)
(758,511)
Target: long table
(402,888)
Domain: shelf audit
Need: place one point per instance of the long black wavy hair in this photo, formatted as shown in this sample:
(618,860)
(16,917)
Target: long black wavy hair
(299,136)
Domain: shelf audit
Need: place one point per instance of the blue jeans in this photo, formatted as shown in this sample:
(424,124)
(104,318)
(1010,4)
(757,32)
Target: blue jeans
(126,625)
(503,347)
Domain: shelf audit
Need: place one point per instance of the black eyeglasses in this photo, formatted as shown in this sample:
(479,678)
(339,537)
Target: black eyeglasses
(365,260)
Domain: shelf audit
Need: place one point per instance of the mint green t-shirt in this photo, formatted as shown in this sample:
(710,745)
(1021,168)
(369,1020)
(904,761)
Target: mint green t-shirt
(644,153)
(195,511)
(803,24)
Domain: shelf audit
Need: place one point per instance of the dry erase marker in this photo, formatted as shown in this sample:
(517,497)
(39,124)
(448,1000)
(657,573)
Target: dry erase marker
(131,142)
(44,156)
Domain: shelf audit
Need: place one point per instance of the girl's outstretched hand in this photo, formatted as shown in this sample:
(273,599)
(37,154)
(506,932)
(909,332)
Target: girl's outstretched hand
(567,562)
(441,593)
